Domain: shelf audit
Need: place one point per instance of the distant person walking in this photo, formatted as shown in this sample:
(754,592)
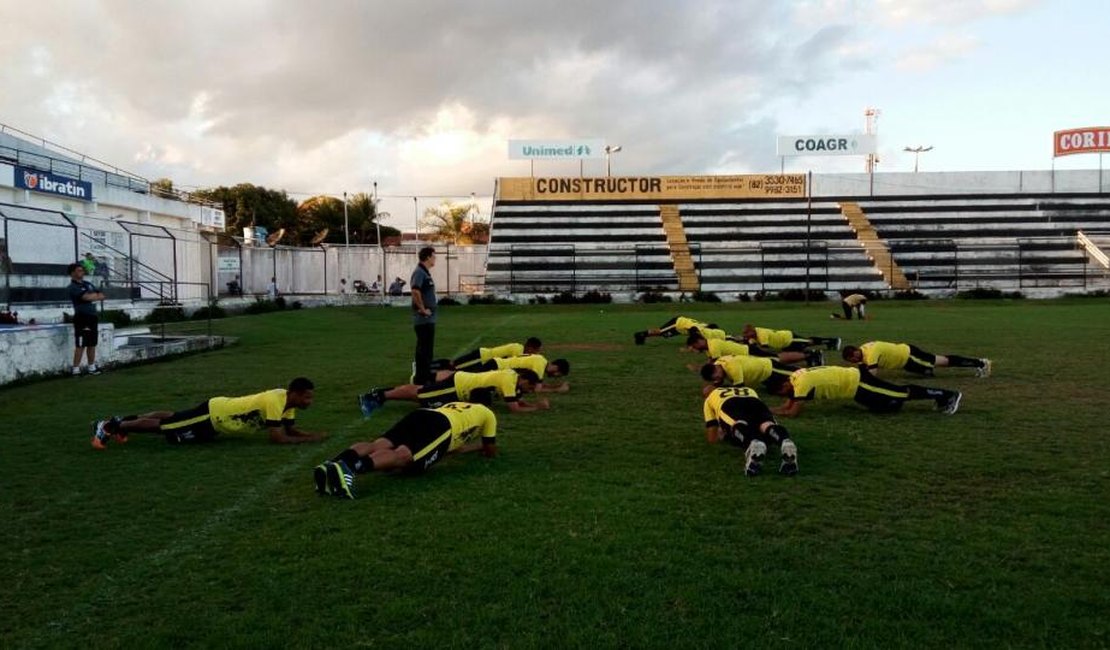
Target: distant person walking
(84,295)
(424,316)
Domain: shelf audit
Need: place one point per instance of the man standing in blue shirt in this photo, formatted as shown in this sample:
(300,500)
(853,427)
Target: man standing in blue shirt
(84,296)
(424,316)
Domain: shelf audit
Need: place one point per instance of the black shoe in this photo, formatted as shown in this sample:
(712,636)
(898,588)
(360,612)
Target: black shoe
(789,466)
(320,478)
(640,337)
(834,344)
(815,358)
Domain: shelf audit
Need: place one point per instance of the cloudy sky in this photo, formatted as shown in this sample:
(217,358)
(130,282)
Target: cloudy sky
(421,96)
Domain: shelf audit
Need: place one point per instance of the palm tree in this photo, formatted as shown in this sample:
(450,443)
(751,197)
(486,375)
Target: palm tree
(454,222)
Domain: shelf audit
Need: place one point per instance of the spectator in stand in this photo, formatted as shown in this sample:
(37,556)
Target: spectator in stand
(397,287)
(376,286)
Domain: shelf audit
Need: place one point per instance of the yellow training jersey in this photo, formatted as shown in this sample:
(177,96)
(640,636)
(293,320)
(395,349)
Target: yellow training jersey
(774,339)
(712,334)
(825,382)
(855,299)
(712,408)
(881,354)
(469,421)
(745,370)
(682,325)
(232,415)
(724,348)
(537,363)
(502,381)
(501,352)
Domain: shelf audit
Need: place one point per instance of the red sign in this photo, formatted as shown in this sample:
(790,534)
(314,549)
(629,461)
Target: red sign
(1091,139)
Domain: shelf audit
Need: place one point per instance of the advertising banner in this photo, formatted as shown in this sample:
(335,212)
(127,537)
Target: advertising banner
(653,188)
(47,183)
(853,144)
(1091,139)
(556,149)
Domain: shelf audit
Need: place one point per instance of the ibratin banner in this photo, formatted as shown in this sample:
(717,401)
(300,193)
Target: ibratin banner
(653,188)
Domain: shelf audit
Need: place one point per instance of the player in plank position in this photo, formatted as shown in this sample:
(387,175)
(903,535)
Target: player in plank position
(780,340)
(883,355)
(738,416)
(476,387)
(537,363)
(856,302)
(273,411)
(676,326)
(419,440)
(717,348)
(748,371)
(838,383)
(484,355)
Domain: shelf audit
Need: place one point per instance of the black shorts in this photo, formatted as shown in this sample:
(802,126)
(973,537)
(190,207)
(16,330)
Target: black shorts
(780,374)
(468,360)
(191,425)
(920,361)
(880,396)
(86,332)
(749,413)
(486,366)
(426,433)
(438,393)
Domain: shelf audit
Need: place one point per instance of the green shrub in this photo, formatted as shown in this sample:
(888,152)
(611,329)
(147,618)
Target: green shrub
(449,302)
(706,296)
(911,294)
(297,304)
(483,299)
(262,306)
(980,293)
(115,317)
(652,296)
(799,295)
(212,310)
(280,302)
(167,315)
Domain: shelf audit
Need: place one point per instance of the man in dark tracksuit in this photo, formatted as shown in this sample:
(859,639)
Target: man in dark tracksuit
(424,316)
(84,297)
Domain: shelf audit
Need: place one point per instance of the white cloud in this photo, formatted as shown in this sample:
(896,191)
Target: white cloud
(946,49)
(923,12)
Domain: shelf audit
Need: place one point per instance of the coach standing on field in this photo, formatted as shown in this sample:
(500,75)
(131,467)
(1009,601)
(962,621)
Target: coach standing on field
(84,297)
(424,316)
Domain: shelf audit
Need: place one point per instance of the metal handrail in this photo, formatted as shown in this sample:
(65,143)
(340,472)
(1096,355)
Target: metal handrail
(1092,249)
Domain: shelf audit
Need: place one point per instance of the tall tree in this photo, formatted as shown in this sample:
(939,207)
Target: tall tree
(246,204)
(363,215)
(316,214)
(162,187)
(455,223)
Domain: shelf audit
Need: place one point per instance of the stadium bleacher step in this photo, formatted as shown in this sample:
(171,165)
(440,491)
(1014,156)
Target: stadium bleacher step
(679,247)
(875,246)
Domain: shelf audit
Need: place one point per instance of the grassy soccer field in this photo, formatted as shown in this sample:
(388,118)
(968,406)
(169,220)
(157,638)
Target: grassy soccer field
(605,522)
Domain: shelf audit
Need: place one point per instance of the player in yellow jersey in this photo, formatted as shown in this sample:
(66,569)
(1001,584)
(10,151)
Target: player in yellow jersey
(884,355)
(748,371)
(273,411)
(679,325)
(485,355)
(857,303)
(739,417)
(537,363)
(475,387)
(779,340)
(837,383)
(716,348)
(419,440)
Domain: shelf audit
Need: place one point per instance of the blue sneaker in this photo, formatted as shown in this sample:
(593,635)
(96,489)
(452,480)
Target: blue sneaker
(368,403)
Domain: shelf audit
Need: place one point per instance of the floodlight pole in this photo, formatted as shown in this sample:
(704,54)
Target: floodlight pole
(346,242)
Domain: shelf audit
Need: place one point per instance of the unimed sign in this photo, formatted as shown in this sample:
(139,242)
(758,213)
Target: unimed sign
(652,188)
(1091,139)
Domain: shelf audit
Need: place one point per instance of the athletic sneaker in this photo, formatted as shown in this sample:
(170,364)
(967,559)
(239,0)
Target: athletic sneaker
(640,337)
(111,426)
(341,481)
(815,358)
(94,370)
(834,344)
(753,458)
(952,404)
(320,478)
(984,370)
(370,402)
(100,435)
(76,372)
(789,466)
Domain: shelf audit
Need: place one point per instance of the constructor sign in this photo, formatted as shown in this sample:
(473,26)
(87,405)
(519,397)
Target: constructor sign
(1090,139)
(556,149)
(855,144)
(652,188)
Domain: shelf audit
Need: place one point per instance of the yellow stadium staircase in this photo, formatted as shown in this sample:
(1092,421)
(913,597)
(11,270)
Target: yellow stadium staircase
(680,248)
(876,248)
